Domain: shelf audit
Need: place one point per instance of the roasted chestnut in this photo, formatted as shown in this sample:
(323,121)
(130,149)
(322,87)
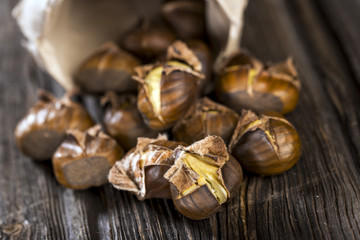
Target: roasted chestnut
(83,159)
(245,83)
(203,53)
(168,90)
(149,41)
(107,69)
(42,130)
(203,119)
(203,177)
(187,18)
(141,171)
(123,121)
(265,145)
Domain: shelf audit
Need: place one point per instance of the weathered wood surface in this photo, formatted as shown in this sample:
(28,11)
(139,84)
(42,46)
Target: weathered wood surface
(317,199)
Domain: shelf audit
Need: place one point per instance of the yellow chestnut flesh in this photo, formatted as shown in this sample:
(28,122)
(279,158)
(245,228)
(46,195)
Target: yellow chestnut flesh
(208,174)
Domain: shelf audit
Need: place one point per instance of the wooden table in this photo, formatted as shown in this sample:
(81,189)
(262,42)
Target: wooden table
(318,199)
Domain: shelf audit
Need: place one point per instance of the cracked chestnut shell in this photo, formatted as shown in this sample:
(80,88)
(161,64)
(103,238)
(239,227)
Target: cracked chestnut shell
(203,53)
(203,177)
(149,41)
(84,159)
(265,145)
(142,169)
(187,18)
(42,130)
(123,121)
(204,119)
(245,83)
(108,69)
(168,90)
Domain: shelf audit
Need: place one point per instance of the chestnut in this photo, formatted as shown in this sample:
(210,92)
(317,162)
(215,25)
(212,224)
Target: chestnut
(187,18)
(168,90)
(203,177)
(122,120)
(265,145)
(42,130)
(206,118)
(108,69)
(83,159)
(203,53)
(142,169)
(149,41)
(245,83)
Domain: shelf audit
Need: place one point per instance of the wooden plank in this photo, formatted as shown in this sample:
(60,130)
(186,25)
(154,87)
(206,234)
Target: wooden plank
(317,199)
(325,185)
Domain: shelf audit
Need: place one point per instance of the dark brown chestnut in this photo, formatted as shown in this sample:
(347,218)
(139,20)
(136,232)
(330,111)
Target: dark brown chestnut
(245,83)
(108,69)
(123,121)
(203,119)
(203,53)
(84,159)
(149,41)
(168,90)
(203,177)
(141,170)
(42,130)
(187,18)
(265,145)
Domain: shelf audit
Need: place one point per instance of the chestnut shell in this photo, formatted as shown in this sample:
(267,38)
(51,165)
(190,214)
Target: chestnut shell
(148,42)
(247,84)
(42,130)
(108,69)
(178,92)
(201,203)
(204,119)
(187,18)
(144,176)
(123,121)
(264,155)
(84,159)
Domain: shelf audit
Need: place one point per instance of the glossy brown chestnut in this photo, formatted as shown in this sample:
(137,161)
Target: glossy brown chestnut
(168,90)
(265,145)
(203,119)
(203,177)
(83,160)
(123,121)
(108,69)
(142,169)
(247,84)
(42,130)
(187,18)
(148,42)
(203,53)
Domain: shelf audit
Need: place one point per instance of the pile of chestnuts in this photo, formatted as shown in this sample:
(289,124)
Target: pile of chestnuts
(158,82)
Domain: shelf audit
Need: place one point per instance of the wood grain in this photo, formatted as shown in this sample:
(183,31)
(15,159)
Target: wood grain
(317,199)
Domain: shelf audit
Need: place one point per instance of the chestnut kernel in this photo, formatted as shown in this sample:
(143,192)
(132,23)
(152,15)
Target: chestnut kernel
(42,130)
(245,83)
(123,121)
(265,145)
(108,69)
(142,169)
(84,159)
(203,119)
(168,90)
(203,177)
